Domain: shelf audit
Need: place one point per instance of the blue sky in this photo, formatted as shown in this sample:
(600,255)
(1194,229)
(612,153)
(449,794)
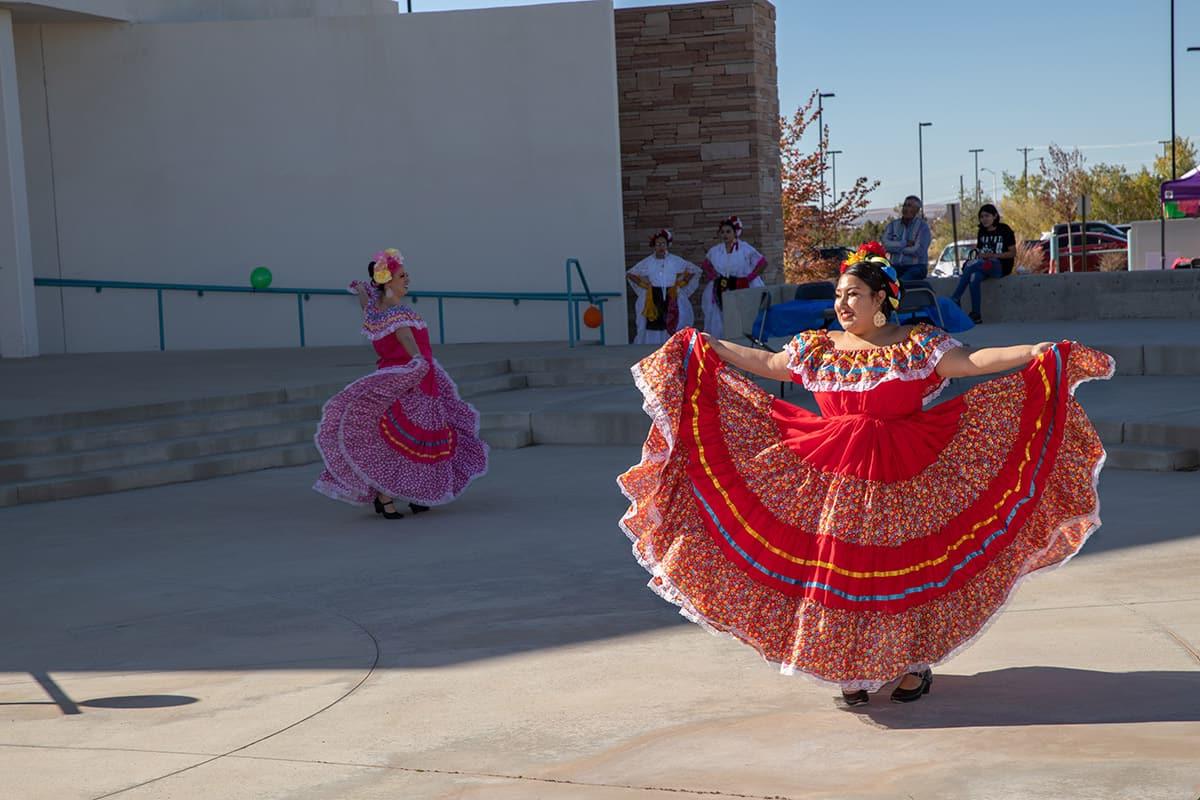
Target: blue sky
(1087,73)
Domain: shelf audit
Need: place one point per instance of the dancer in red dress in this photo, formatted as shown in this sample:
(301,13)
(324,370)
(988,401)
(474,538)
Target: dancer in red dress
(401,432)
(878,538)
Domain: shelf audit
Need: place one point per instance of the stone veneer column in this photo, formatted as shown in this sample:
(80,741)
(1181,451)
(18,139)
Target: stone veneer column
(699,111)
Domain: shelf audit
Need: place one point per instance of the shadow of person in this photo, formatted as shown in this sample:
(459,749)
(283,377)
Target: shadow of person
(1044,696)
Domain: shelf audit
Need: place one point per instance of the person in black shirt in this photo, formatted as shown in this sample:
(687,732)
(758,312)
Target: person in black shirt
(996,247)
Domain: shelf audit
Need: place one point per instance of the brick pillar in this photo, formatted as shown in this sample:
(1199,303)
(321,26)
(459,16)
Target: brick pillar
(699,110)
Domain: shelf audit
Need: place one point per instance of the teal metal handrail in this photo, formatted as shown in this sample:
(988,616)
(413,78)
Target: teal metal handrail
(302,295)
(574,332)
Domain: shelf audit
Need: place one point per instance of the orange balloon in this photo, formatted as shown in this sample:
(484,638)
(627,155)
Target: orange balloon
(592,317)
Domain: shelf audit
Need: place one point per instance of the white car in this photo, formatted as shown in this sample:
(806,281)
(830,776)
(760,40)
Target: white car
(945,266)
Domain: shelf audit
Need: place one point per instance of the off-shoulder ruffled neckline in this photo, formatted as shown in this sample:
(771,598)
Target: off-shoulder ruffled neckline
(915,335)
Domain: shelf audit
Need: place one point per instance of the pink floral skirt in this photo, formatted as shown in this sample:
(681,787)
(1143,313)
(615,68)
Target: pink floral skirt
(384,434)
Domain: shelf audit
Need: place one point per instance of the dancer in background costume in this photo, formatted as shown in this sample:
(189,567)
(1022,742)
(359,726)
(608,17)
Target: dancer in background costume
(663,283)
(402,432)
(732,264)
(878,538)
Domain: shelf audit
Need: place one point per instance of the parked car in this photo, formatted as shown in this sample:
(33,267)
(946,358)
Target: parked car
(945,267)
(1093,226)
(1075,257)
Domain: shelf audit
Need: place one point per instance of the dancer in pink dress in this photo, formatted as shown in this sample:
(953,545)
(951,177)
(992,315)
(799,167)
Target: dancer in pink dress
(401,432)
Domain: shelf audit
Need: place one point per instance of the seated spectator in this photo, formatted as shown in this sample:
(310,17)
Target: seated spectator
(907,241)
(996,247)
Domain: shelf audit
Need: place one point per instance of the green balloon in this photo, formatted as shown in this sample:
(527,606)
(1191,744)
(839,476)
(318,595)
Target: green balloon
(260,278)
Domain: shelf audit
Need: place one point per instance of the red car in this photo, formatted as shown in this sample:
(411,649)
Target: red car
(1077,257)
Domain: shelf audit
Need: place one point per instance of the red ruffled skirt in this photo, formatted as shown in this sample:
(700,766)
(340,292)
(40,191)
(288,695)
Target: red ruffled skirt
(744,524)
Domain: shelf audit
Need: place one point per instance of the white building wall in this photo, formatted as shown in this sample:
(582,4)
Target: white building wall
(1145,242)
(483,144)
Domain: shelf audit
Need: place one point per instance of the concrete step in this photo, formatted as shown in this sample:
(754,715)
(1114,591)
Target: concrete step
(1156,459)
(504,419)
(547,380)
(129,434)
(102,417)
(147,475)
(579,362)
(507,438)
(154,452)
(477,371)
(506,382)
(480,377)
(593,427)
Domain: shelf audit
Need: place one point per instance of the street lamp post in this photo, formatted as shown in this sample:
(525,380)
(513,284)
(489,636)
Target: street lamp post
(833,154)
(921,157)
(821,138)
(976,151)
(995,193)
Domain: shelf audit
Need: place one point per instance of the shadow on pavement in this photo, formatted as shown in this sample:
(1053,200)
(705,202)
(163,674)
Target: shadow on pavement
(1044,696)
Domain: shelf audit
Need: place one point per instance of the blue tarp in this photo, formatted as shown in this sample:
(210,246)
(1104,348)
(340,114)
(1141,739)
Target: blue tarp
(785,320)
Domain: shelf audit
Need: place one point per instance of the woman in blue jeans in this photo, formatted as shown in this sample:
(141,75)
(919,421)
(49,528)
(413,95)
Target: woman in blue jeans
(996,246)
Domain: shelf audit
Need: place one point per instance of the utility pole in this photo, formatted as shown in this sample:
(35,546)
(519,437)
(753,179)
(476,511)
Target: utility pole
(976,151)
(1025,174)
(833,154)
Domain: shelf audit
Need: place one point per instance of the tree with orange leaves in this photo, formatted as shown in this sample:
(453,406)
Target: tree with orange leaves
(805,226)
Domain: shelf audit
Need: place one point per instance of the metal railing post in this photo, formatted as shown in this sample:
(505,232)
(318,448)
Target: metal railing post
(162,334)
(300,311)
(441,321)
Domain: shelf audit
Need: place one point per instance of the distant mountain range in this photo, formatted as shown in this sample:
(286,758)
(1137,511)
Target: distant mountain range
(932,211)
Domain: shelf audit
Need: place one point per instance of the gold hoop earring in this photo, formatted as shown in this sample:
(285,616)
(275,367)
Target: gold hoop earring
(880,320)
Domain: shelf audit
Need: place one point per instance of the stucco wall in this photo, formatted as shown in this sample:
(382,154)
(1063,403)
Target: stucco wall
(483,144)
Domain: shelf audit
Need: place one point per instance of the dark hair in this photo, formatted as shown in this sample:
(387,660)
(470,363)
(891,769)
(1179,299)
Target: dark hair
(371,273)
(914,197)
(876,280)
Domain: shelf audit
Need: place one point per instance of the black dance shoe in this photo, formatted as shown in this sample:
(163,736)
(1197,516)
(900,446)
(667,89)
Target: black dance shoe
(915,694)
(378,506)
(393,514)
(417,508)
(859,698)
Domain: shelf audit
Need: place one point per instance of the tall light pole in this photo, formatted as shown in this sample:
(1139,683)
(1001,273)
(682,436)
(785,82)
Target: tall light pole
(921,126)
(821,138)
(976,151)
(833,154)
(995,193)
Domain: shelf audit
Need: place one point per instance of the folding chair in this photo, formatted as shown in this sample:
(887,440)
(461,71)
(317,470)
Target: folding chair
(917,296)
(758,334)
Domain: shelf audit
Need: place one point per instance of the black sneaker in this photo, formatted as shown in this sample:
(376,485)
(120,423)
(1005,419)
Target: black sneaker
(974,315)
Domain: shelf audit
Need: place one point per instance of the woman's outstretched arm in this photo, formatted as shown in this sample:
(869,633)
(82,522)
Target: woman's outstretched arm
(964,362)
(759,362)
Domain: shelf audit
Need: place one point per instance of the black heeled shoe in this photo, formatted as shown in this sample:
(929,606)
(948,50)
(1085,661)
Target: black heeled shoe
(417,508)
(378,506)
(912,695)
(393,514)
(859,698)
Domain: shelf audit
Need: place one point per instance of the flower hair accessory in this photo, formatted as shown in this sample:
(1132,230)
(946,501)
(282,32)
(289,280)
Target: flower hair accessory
(387,264)
(874,253)
(662,233)
(734,223)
